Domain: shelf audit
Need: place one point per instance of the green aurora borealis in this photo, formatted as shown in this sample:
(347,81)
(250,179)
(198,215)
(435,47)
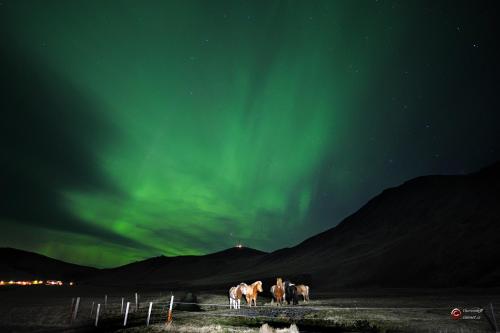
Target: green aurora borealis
(134,129)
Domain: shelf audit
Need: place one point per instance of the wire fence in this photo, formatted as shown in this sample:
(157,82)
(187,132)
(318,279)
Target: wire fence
(155,310)
(136,310)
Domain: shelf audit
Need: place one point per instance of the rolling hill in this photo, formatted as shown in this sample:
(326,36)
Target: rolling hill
(23,265)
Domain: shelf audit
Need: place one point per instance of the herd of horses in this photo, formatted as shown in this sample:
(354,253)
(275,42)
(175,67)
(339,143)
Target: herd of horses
(281,292)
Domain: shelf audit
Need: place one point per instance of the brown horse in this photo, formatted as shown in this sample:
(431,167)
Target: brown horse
(252,291)
(279,291)
(304,291)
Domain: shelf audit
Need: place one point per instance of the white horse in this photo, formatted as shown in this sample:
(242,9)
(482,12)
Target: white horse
(234,302)
(235,294)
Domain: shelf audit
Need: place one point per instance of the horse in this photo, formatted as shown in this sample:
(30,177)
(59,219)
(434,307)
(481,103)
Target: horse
(251,292)
(303,290)
(273,298)
(235,294)
(278,291)
(291,293)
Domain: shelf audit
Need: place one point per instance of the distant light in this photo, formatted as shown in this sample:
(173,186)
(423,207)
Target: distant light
(34,282)
(54,283)
(239,246)
(71,283)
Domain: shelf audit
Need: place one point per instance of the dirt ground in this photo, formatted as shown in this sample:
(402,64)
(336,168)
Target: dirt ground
(49,309)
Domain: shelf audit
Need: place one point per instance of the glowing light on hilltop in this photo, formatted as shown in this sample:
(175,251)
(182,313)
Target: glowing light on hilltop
(239,246)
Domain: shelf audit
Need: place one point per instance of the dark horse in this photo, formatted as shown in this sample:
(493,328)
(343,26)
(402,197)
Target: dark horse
(291,294)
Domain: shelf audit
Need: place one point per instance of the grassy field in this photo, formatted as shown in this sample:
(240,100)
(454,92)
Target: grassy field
(48,309)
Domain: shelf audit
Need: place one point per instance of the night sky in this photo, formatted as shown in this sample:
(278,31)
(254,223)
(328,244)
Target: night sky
(131,129)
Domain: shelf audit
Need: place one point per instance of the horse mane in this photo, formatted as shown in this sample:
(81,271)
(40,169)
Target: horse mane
(279,283)
(238,292)
(243,287)
(255,286)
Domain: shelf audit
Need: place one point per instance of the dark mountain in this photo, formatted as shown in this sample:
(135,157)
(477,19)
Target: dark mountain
(432,231)
(23,265)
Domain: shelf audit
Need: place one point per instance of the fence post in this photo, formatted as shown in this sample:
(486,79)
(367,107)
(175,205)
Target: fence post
(169,317)
(126,314)
(97,314)
(149,313)
(71,309)
(493,317)
(92,310)
(105,301)
(75,312)
(136,302)
(121,310)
